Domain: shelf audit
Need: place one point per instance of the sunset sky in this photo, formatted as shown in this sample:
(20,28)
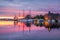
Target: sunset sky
(14,27)
(11,7)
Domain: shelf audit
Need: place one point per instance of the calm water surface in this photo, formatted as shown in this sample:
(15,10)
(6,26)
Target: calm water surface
(19,31)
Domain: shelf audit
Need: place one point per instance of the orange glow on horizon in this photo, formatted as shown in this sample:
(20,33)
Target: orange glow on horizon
(6,17)
(20,17)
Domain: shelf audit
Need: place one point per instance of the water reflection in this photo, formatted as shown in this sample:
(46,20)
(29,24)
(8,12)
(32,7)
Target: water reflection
(13,30)
(14,26)
(49,24)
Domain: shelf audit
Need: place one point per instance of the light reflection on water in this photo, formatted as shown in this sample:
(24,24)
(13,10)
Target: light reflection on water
(9,26)
(11,31)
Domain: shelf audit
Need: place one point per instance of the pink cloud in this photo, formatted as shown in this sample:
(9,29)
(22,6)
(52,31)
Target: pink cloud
(14,11)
